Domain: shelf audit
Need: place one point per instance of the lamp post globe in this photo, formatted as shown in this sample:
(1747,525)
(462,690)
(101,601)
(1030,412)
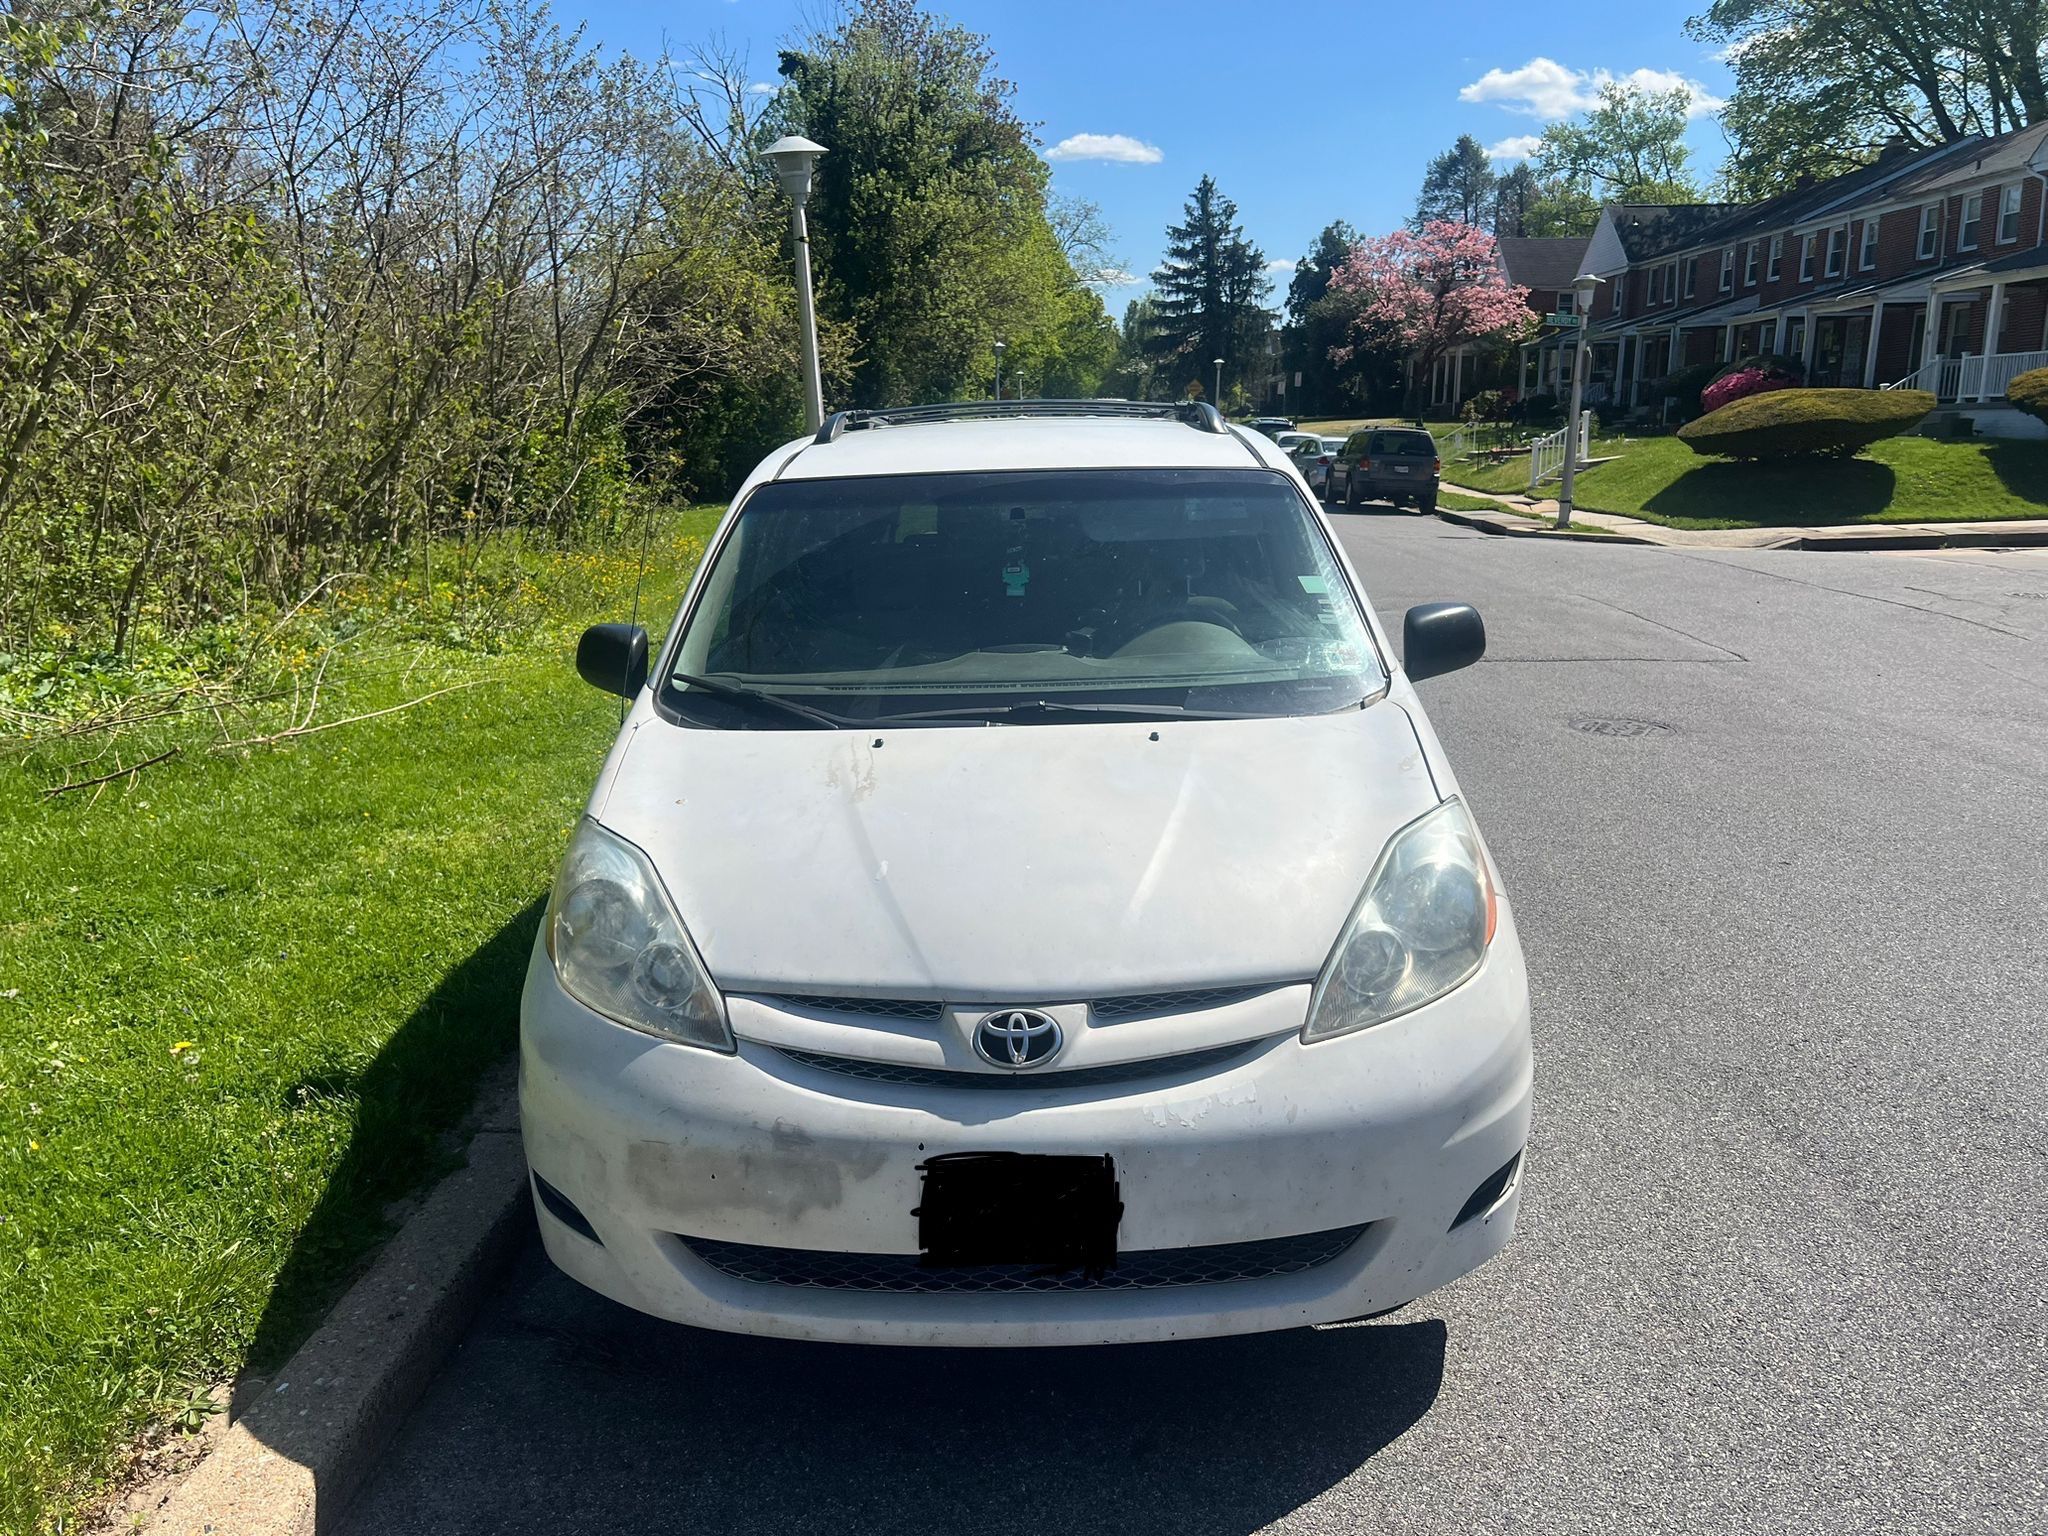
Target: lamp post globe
(791,158)
(1585,286)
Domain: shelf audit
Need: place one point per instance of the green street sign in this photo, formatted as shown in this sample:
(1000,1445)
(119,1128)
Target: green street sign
(1563,322)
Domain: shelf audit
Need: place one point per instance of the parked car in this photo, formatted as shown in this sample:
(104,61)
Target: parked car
(1271,426)
(1397,464)
(1026,903)
(1313,456)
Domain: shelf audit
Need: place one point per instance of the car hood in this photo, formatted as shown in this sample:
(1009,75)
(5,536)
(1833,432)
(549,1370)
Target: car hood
(1019,862)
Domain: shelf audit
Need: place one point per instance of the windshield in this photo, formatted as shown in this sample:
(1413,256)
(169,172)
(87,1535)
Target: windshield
(1213,590)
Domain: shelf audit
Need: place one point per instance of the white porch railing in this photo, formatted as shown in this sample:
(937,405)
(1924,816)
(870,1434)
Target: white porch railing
(1546,454)
(1973,378)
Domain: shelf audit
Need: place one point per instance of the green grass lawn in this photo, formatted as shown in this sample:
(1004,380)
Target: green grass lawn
(1901,480)
(242,997)
(1457,503)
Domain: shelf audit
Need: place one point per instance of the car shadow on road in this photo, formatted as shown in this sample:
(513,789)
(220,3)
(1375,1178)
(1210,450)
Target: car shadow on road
(565,1412)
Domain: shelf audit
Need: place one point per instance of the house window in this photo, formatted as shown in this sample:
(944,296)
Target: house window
(1692,273)
(1749,266)
(1930,231)
(1777,256)
(1795,336)
(1973,215)
(1567,300)
(1838,250)
(2009,214)
(1728,270)
(1806,244)
(1869,257)
(1620,292)
(1671,283)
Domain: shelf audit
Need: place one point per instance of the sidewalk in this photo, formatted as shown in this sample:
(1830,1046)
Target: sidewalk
(1525,517)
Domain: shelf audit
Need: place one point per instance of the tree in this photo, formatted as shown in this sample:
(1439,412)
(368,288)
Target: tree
(1629,149)
(1820,85)
(1209,295)
(1430,290)
(1319,323)
(929,217)
(1458,186)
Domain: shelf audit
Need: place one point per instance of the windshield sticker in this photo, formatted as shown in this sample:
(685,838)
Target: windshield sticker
(1016,577)
(1313,584)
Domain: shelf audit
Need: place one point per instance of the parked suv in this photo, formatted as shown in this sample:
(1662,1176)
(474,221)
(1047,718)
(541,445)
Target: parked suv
(1397,464)
(1025,904)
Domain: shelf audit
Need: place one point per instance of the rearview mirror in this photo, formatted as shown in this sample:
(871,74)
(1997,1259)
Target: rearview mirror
(1440,637)
(614,657)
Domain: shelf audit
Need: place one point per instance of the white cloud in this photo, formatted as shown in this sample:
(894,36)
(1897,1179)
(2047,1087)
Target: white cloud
(1280,264)
(1112,277)
(1117,148)
(1547,90)
(763,88)
(1518,146)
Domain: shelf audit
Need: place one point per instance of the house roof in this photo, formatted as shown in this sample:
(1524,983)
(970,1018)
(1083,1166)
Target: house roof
(1971,158)
(1651,229)
(1546,263)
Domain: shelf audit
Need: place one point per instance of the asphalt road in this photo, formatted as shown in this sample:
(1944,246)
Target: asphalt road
(1777,829)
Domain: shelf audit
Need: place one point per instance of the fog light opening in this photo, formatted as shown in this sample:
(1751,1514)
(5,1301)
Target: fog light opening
(1492,1190)
(563,1209)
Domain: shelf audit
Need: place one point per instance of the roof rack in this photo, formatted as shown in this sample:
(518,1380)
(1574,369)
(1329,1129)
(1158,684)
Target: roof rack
(1198,414)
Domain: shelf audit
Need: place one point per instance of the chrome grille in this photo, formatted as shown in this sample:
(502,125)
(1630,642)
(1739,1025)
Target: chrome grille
(1152,1270)
(1078,1077)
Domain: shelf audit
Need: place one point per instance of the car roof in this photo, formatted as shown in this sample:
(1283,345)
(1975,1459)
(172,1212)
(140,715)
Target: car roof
(1051,442)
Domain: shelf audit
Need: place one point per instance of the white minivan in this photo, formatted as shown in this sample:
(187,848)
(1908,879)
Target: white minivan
(1025,904)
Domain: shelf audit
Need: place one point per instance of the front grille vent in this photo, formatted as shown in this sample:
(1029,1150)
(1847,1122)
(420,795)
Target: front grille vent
(1102,1009)
(1156,1269)
(1077,1077)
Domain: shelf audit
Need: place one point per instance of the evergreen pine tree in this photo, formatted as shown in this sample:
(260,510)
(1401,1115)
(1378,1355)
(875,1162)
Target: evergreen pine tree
(1210,293)
(1458,186)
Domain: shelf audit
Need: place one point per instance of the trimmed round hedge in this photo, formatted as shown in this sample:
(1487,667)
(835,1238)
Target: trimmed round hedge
(1790,423)
(2029,391)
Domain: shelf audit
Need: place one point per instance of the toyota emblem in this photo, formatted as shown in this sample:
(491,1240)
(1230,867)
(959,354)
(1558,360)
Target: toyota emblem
(1017,1038)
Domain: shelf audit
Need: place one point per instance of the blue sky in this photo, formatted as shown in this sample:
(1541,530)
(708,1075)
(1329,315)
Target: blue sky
(1303,114)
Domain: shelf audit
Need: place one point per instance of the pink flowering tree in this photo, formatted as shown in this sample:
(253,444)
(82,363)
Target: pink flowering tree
(1429,291)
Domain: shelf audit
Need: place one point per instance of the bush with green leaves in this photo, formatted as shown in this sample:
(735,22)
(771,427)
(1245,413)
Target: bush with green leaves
(1684,385)
(2029,392)
(1487,405)
(1795,423)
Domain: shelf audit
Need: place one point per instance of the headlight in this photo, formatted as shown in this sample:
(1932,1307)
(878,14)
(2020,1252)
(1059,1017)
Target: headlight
(1421,928)
(619,948)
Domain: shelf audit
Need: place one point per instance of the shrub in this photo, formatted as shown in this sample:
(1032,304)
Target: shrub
(1794,368)
(1541,409)
(1684,386)
(2029,392)
(1786,423)
(1740,385)
(1487,405)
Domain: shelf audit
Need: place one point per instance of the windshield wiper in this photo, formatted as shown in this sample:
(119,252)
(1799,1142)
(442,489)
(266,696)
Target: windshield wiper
(1041,708)
(776,701)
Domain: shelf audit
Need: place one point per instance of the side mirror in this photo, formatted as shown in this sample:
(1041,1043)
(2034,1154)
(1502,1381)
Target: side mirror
(613,657)
(1440,637)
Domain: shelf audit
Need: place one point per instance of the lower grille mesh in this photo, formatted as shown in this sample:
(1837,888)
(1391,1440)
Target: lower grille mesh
(1152,1270)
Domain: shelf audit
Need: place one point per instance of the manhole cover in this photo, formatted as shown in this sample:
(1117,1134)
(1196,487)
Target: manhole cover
(1621,725)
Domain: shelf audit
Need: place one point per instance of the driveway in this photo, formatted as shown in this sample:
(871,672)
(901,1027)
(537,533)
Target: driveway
(1776,825)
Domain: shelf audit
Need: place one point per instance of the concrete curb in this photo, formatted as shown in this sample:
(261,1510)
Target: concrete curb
(292,1462)
(1516,527)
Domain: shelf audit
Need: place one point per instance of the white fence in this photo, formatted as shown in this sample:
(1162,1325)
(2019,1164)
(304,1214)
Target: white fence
(1546,454)
(1982,377)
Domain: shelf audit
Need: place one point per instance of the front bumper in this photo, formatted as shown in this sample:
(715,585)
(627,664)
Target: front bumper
(1392,1129)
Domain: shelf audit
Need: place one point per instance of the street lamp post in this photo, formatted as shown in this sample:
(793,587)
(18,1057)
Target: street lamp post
(792,158)
(1219,384)
(1584,288)
(999,369)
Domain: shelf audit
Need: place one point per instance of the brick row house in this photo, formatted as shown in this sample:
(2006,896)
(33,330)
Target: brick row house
(1926,269)
(1547,268)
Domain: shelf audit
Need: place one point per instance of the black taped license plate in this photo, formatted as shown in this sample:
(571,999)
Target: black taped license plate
(1025,1208)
